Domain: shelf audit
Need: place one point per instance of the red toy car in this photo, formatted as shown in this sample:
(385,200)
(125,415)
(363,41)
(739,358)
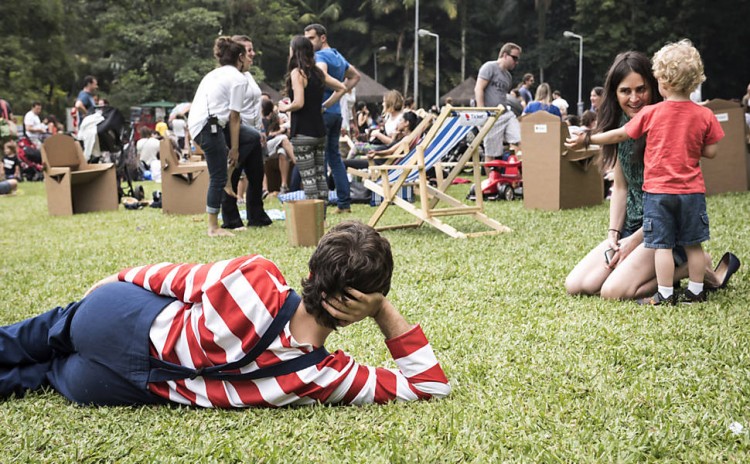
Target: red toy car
(504,180)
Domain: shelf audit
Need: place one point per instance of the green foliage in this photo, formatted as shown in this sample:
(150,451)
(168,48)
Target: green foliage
(537,376)
(49,45)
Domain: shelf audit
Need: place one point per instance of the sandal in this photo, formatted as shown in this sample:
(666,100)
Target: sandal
(728,265)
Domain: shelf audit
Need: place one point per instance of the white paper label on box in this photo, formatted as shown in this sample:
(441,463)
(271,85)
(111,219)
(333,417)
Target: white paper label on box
(540,128)
(722,117)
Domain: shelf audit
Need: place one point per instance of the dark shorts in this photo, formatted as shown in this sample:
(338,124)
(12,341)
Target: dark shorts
(671,220)
(678,252)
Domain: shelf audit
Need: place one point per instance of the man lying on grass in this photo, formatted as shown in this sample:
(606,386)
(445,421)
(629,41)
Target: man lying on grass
(228,334)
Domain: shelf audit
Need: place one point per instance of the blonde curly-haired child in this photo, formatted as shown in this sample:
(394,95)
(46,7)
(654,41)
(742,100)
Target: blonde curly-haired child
(678,133)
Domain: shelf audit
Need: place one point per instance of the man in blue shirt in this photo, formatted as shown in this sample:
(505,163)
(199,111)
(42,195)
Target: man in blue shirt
(85,102)
(330,60)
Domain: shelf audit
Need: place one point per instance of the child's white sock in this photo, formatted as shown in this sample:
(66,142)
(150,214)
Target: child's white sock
(666,292)
(695,288)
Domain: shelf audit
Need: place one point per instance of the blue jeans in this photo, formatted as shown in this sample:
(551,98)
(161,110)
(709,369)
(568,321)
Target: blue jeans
(215,148)
(95,351)
(333,159)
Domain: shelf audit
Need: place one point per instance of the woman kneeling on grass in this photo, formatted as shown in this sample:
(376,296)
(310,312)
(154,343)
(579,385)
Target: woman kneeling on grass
(621,267)
(229,334)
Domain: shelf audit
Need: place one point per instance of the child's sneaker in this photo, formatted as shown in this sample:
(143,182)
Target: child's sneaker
(689,297)
(658,299)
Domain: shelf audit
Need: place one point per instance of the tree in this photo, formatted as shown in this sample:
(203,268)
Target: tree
(36,66)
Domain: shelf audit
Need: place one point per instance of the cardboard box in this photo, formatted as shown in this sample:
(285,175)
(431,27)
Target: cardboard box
(184,185)
(304,221)
(730,170)
(74,186)
(555,178)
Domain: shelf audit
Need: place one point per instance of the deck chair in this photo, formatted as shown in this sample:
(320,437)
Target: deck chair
(74,186)
(555,177)
(409,167)
(184,185)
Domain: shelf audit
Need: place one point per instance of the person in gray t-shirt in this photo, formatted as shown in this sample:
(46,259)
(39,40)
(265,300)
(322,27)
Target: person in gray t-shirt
(494,81)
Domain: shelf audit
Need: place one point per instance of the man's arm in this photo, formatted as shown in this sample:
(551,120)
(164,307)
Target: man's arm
(419,375)
(479,91)
(81,107)
(351,77)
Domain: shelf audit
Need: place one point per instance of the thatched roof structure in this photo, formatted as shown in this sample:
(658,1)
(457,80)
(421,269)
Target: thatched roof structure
(275,94)
(370,91)
(462,94)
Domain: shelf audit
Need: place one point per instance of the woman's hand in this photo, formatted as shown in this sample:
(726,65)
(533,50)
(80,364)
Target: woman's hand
(234,155)
(354,307)
(625,247)
(575,143)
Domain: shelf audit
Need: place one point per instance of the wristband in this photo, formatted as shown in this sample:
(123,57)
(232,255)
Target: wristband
(619,234)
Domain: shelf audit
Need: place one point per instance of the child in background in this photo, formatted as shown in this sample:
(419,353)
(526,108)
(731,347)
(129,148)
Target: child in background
(678,132)
(11,162)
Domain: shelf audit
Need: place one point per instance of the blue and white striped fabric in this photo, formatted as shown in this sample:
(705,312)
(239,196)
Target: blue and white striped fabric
(448,137)
(300,195)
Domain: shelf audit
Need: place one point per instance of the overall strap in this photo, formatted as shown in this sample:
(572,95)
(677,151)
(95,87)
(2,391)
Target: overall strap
(164,370)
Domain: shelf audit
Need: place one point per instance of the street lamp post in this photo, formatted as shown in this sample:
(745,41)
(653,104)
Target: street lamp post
(571,35)
(375,59)
(425,33)
(416,52)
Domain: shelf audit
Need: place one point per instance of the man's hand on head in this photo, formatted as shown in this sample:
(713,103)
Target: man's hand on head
(353,305)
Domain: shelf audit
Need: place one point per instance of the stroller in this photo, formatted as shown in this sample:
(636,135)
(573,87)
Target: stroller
(109,132)
(127,167)
(31,160)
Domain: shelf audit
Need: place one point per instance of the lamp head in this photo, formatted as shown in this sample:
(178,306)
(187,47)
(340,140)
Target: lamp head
(424,33)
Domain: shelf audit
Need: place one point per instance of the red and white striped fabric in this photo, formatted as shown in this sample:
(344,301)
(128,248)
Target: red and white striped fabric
(218,312)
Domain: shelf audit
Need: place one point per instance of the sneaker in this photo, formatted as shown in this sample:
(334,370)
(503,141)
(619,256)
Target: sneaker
(657,300)
(283,189)
(341,211)
(689,297)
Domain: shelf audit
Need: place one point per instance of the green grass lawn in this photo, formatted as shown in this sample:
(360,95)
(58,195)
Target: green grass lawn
(537,376)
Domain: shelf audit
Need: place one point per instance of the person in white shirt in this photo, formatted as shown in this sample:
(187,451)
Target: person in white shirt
(33,124)
(214,117)
(560,103)
(147,147)
(251,152)
(178,128)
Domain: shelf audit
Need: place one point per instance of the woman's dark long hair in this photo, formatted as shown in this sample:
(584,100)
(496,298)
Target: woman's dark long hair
(302,57)
(610,113)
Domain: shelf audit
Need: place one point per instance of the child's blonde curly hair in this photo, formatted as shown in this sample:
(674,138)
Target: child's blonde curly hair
(679,66)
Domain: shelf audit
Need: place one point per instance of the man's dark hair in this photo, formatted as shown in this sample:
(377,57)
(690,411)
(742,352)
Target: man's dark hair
(319,29)
(88,80)
(36,103)
(353,255)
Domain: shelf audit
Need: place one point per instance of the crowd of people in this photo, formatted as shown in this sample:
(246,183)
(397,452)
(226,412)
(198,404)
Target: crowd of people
(652,138)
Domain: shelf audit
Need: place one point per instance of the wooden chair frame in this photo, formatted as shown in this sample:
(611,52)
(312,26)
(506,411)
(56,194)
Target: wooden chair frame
(413,168)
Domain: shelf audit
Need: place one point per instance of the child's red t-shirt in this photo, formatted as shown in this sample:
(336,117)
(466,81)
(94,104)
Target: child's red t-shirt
(676,132)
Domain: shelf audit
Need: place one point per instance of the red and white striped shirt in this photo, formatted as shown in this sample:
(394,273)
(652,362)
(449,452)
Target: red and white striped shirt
(218,313)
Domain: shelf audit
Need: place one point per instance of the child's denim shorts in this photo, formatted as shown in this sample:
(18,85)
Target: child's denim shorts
(674,219)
